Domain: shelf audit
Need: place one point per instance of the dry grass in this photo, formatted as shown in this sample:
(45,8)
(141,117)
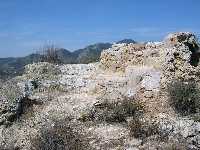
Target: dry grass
(113,111)
(49,54)
(141,129)
(62,135)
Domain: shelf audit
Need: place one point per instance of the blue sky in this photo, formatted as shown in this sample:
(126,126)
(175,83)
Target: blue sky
(27,25)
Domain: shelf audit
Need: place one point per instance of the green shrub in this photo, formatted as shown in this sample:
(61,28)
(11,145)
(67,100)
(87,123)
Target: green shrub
(184,97)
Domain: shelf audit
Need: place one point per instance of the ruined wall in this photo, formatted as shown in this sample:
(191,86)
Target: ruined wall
(126,73)
(181,57)
(155,63)
(176,56)
(120,56)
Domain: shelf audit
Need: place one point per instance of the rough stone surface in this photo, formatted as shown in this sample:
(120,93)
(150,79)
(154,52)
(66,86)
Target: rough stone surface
(139,73)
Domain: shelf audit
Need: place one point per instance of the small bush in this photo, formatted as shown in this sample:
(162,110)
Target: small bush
(141,129)
(196,117)
(113,111)
(184,97)
(60,136)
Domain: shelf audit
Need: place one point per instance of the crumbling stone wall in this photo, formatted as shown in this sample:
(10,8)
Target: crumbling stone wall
(120,56)
(181,58)
(176,57)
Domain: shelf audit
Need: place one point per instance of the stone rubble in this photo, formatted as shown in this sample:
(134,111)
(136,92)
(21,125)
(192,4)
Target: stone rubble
(139,72)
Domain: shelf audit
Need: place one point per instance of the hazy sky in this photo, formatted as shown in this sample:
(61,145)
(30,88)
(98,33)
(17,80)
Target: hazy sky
(26,25)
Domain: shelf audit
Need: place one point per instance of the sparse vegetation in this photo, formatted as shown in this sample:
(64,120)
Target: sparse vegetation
(141,129)
(49,54)
(184,97)
(153,135)
(79,107)
(113,111)
(62,135)
(168,145)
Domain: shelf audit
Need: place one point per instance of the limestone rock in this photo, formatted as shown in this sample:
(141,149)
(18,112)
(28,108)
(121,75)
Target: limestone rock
(135,72)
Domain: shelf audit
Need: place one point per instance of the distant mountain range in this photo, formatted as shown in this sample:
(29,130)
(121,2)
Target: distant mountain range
(127,41)
(10,67)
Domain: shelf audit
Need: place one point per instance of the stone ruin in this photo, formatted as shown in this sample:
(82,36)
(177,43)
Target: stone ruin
(138,72)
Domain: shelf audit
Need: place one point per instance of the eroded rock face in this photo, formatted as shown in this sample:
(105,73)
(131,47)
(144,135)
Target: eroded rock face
(14,98)
(176,46)
(120,56)
(176,58)
(182,58)
(132,72)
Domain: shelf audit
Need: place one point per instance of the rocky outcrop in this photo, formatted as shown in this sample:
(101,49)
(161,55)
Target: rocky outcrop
(181,58)
(15,97)
(120,56)
(126,91)
(156,54)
